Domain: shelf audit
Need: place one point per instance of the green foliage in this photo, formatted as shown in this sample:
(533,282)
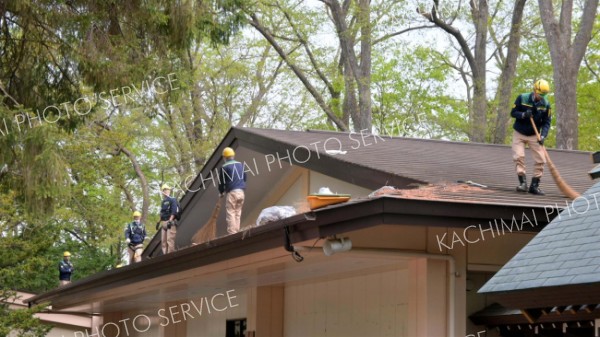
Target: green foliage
(141,34)
(589,115)
(25,251)
(35,169)
(411,100)
(70,186)
(20,321)
(535,63)
(62,183)
(588,103)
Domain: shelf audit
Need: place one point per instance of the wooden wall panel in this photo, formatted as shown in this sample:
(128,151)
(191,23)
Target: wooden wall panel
(369,305)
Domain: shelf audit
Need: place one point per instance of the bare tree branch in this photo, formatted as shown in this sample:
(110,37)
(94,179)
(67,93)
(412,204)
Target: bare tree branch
(76,235)
(6,94)
(584,35)
(433,17)
(138,171)
(391,35)
(311,57)
(255,22)
(589,67)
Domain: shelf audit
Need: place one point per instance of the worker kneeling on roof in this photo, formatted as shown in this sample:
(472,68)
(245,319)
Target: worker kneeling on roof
(232,182)
(528,106)
(135,233)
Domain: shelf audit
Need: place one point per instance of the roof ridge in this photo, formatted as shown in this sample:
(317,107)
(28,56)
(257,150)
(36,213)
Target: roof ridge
(406,138)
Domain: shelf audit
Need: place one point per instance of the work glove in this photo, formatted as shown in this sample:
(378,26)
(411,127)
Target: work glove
(541,141)
(169,224)
(127,241)
(527,114)
(157,225)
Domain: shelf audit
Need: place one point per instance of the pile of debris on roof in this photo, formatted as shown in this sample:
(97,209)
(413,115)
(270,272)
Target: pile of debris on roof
(430,191)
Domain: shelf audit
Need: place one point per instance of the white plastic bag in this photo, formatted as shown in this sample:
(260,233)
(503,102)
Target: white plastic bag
(274,213)
(382,191)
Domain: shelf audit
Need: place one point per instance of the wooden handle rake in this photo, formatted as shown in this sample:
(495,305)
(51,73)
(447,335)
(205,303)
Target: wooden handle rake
(560,182)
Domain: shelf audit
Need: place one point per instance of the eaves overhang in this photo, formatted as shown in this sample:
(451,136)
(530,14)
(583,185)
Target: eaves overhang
(341,218)
(550,296)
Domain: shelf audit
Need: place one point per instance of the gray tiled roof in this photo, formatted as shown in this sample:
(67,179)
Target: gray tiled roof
(566,252)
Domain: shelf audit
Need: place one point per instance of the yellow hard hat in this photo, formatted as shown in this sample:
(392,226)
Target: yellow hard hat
(228,152)
(165,187)
(136,213)
(541,87)
(65,254)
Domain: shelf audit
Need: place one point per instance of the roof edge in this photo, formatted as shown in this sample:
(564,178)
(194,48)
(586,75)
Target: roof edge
(305,226)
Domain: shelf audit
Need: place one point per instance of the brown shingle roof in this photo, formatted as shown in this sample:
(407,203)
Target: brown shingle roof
(374,161)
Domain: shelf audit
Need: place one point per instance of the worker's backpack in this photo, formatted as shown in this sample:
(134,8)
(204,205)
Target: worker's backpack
(178,213)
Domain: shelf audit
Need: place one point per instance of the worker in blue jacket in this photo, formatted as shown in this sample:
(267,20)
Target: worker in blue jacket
(232,180)
(65,269)
(135,233)
(169,208)
(527,106)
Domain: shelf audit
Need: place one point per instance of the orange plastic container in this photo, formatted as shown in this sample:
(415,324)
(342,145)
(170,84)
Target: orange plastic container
(321,200)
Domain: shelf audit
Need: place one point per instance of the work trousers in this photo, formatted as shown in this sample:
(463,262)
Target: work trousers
(233,208)
(167,238)
(518,150)
(135,253)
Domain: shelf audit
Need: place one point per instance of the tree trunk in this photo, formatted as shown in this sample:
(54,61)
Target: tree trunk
(143,182)
(476,60)
(364,120)
(567,119)
(350,105)
(138,171)
(566,58)
(255,22)
(508,74)
(479,123)
(198,114)
(362,71)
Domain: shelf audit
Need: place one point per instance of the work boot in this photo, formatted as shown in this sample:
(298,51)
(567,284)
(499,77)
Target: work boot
(522,184)
(534,188)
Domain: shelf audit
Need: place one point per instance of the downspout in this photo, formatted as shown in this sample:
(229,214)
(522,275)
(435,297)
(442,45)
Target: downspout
(309,216)
(450,317)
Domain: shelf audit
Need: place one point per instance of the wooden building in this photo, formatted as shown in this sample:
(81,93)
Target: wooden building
(419,253)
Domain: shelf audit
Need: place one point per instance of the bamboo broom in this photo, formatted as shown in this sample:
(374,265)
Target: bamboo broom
(209,230)
(560,182)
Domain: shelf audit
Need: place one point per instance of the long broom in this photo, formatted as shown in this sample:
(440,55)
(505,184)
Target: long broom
(560,182)
(209,230)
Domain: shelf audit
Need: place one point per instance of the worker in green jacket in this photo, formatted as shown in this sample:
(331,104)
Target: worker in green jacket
(533,105)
